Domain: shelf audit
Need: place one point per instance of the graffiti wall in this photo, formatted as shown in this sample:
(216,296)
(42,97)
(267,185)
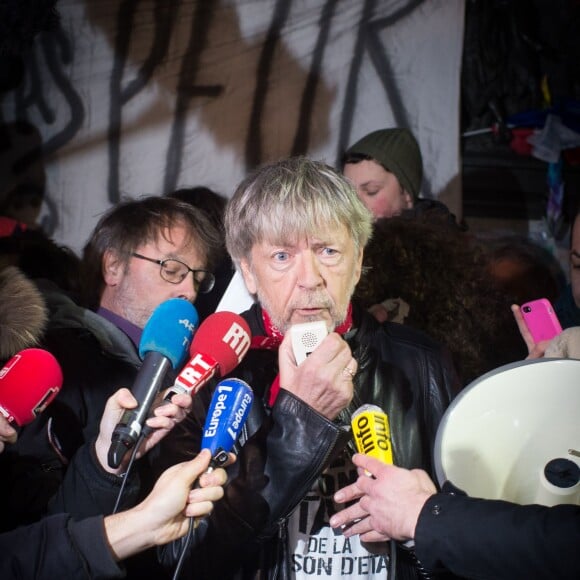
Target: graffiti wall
(131,97)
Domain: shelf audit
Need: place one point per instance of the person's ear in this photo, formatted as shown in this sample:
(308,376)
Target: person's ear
(358,266)
(248,276)
(113,268)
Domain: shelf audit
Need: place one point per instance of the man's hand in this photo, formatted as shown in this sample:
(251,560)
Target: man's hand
(324,380)
(389,501)
(163,516)
(7,433)
(165,418)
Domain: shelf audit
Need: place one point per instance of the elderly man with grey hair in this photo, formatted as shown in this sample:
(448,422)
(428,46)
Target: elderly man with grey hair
(297,231)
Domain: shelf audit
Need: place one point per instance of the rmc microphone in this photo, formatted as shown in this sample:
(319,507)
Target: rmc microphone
(29,382)
(372,434)
(164,344)
(228,410)
(219,345)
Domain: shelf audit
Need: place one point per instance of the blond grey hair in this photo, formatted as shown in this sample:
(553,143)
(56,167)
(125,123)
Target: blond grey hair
(292,198)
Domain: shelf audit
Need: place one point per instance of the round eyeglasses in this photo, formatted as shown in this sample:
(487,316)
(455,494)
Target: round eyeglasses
(175,271)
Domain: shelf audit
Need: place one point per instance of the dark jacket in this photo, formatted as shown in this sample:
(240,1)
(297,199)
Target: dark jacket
(289,445)
(58,547)
(96,359)
(493,539)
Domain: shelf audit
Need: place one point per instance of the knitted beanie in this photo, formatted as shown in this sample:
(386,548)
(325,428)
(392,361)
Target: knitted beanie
(398,152)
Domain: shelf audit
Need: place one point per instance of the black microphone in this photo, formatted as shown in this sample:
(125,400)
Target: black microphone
(164,343)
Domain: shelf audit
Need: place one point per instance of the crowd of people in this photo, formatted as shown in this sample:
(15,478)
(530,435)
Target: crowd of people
(413,315)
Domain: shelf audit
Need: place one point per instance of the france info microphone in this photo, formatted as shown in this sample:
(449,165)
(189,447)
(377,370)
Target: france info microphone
(228,410)
(29,382)
(219,345)
(164,344)
(372,434)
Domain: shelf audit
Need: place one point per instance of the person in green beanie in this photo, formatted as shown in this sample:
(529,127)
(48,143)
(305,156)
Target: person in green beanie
(386,168)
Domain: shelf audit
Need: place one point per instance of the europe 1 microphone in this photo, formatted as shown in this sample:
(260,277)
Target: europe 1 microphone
(164,344)
(29,382)
(227,413)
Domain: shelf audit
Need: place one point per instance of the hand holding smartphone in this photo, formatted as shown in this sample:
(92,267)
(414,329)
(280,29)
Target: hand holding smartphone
(540,319)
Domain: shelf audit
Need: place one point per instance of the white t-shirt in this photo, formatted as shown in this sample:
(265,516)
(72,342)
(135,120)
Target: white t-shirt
(317,550)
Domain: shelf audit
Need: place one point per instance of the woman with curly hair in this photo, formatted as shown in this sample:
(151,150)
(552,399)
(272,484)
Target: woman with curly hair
(435,279)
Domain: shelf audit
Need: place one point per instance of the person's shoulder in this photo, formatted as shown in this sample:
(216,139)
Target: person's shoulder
(411,337)
(394,332)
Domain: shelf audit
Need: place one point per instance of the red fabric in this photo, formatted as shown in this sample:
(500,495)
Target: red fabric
(9,227)
(274,337)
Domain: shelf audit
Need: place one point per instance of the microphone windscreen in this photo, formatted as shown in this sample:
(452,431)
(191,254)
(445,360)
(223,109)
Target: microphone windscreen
(29,381)
(372,433)
(169,330)
(226,337)
(227,413)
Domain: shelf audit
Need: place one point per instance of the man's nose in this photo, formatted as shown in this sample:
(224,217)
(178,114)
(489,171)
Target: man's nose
(309,274)
(187,288)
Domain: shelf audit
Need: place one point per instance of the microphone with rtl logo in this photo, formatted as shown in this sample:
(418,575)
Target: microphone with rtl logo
(219,345)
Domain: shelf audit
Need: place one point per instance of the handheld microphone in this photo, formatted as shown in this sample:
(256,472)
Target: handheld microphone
(228,410)
(227,413)
(372,434)
(164,344)
(29,382)
(219,345)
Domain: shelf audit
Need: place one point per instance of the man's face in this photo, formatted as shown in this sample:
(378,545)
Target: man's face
(135,289)
(310,279)
(575,262)
(378,189)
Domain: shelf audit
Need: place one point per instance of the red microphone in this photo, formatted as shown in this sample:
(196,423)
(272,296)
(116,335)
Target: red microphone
(219,345)
(29,382)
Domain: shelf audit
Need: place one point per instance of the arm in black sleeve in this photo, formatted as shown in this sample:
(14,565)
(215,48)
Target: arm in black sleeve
(88,490)
(58,547)
(480,538)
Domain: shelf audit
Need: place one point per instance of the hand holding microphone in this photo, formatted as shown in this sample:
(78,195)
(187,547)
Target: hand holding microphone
(219,345)
(160,424)
(371,432)
(228,410)
(164,343)
(324,379)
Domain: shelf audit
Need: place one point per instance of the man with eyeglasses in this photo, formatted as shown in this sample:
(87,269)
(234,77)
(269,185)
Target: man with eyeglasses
(140,254)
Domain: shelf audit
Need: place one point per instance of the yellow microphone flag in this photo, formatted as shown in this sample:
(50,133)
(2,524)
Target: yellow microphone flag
(372,434)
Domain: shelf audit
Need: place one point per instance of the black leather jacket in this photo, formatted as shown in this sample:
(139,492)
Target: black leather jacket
(288,446)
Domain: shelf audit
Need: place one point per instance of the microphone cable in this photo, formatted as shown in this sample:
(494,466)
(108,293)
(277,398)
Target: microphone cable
(128,471)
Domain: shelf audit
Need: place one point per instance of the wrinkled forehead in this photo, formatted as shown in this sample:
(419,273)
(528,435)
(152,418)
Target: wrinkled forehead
(289,231)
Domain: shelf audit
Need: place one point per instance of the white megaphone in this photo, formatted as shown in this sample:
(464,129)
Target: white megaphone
(514,434)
